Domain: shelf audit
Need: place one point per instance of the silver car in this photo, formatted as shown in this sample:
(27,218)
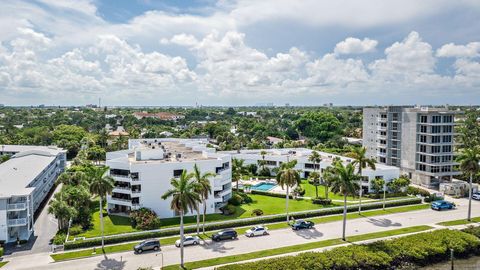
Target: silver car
(188,240)
(257,230)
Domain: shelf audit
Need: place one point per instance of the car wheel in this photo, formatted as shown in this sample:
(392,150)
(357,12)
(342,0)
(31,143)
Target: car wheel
(140,251)
(251,235)
(265,233)
(233,237)
(195,242)
(155,248)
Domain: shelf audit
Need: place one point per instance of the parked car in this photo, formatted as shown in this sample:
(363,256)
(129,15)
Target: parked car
(257,230)
(224,234)
(188,240)
(440,205)
(151,244)
(476,196)
(302,224)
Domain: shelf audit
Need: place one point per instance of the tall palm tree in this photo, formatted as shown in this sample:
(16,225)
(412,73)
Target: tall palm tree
(469,159)
(345,183)
(184,199)
(61,210)
(101,184)
(289,177)
(73,178)
(327,176)
(315,158)
(315,179)
(238,170)
(262,162)
(204,189)
(362,162)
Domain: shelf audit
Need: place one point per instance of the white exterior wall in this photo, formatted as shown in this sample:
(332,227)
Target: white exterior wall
(3,219)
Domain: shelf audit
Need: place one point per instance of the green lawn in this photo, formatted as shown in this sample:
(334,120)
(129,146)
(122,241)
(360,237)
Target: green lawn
(310,192)
(272,226)
(296,248)
(459,222)
(3,263)
(269,205)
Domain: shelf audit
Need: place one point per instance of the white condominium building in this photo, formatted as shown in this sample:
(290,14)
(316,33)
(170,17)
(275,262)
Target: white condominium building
(143,172)
(26,180)
(275,157)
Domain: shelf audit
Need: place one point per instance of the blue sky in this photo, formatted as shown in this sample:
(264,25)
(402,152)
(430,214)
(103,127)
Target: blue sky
(239,52)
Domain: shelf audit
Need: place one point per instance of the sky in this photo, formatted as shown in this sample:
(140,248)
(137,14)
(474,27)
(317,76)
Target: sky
(239,52)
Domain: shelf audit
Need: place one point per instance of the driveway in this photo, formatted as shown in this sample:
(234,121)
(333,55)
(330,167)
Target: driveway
(277,238)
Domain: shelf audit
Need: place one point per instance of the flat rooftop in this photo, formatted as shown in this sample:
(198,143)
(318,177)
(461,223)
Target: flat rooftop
(18,172)
(23,148)
(165,152)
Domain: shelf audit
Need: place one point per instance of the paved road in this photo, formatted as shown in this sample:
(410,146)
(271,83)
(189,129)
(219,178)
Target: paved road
(277,238)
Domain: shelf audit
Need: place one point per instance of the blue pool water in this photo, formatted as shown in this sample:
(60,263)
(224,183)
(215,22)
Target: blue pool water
(263,186)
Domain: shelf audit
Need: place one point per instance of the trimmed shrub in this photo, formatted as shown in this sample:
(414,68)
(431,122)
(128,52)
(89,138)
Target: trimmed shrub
(229,209)
(76,230)
(1,251)
(322,201)
(245,197)
(299,190)
(387,195)
(144,219)
(417,191)
(418,249)
(474,230)
(257,212)
(234,223)
(236,199)
(59,238)
(271,194)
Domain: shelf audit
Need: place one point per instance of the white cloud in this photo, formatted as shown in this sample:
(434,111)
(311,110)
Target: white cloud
(470,50)
(355,46)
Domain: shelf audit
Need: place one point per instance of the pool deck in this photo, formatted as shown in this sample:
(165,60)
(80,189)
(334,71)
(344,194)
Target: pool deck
(276,189)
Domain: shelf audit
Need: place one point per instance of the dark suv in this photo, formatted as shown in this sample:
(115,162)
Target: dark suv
(152,244)
(225,234)
(302,224)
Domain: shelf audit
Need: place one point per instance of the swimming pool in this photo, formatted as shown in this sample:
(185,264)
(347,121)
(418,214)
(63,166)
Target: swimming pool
(263,186)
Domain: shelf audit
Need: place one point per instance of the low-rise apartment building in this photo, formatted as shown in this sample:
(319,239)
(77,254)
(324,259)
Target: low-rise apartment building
(418,140)
(25,180)
(275,157)
(143,172)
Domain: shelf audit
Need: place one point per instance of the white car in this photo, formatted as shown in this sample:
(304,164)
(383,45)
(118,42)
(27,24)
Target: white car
(476,196)
(188,240)
(257,230)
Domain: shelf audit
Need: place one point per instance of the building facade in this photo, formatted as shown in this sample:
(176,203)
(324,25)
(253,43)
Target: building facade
(275,157)
(418,140)
(26,179)
(143,173)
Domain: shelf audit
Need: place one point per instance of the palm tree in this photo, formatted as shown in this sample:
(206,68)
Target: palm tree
(315,158)
(262,162)
(184,199)
(204,189)
(362,162)
(469,159)
(327,176)
(74,178)
(61,210)
(289,177)
(315,178)
(345,183)
(101,184)
(238,170)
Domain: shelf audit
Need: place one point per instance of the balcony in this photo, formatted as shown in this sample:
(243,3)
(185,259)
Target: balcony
(123,190)
(380,154)
(16,207)
(17,222)
(119,201)
(381,128)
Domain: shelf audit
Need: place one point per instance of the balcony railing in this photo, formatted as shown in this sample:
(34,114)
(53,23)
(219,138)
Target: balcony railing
(17,206)
(17,222)
(121,199)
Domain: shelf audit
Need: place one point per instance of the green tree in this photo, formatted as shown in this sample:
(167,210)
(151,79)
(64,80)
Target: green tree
(238,170)
(62,212)
(469,130)
(469,159)
(69,137)
(345,183)
(315,158)
(359,154)
(396,185)
(184,199)
(289,177)
(377,185)
(204,189)
(101,184)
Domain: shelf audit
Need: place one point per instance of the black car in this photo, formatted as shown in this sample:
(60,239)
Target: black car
(152,244)
(302,224)
(223,235)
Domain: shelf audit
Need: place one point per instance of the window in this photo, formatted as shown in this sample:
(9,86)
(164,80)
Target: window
(435,159)
(436,119)
(177,173)
(422,158)
(423,119)
(447,118)
(436,129)
(271,162)
(435,139)
(446,168)
(435,169)
(435,149)
(446,158)
(447,138)
(447,148)
(423,149)
(311,166)
(422,167)
(423,138)
(447,129)
(423,129)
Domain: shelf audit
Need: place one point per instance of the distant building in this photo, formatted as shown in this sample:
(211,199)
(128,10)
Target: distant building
(25,180)
(419,140)
(274,140)
(143,172)
(167,116)
(120,132)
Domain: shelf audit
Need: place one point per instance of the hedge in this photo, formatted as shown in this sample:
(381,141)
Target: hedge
(418,250)
(1,251)
(271,194)
(233,223)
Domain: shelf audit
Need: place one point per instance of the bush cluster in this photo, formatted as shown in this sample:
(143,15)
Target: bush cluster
(387,195)
(321,201)
(144,219)
(59,238)
(76,230)
(230,224)
(257,212)
(417,191)
(238,198)
(419,249)
(1,251)
(299,190)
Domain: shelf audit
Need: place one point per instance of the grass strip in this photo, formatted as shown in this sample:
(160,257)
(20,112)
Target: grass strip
(296,248)
(3,263)
(274,226)
(459,222)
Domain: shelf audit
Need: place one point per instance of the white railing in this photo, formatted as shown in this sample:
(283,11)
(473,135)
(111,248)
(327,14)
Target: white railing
(17,222)
(16,206)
